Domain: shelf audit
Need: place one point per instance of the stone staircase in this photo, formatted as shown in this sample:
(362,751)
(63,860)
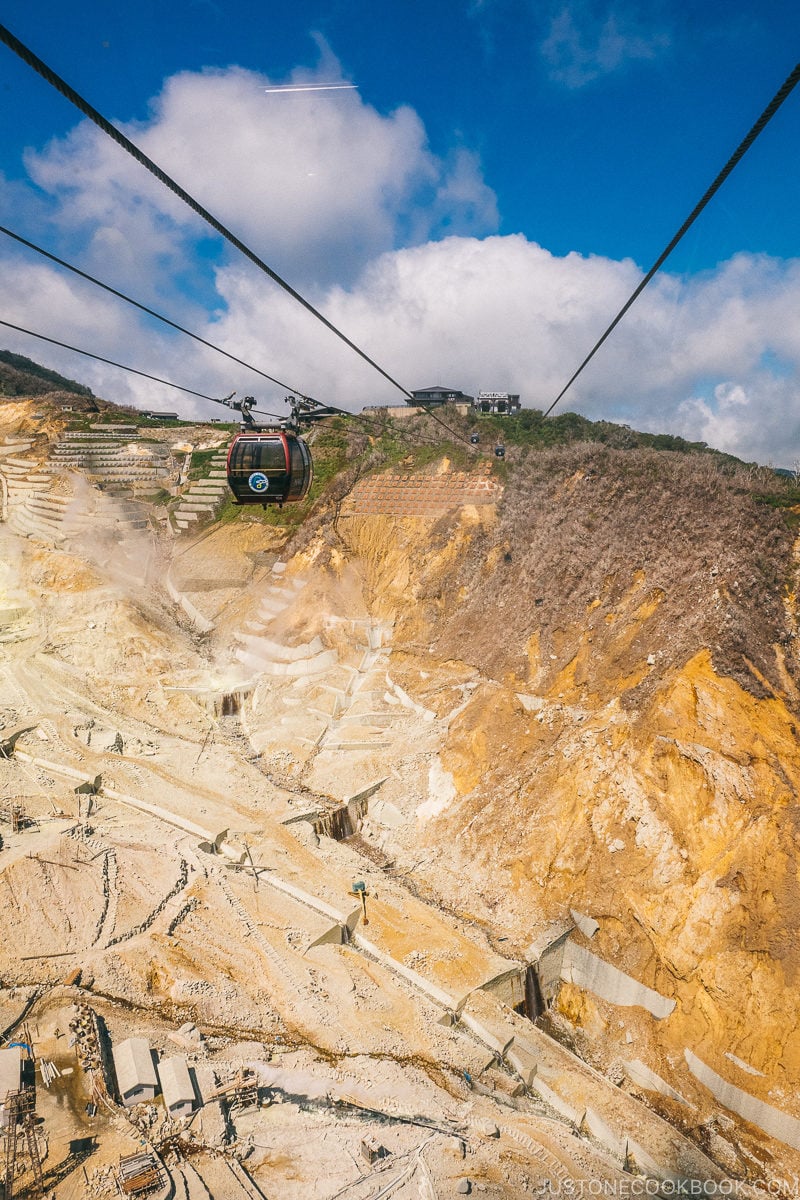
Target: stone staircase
(56,516)
(204,498)
(22,477)
(38,503)
(41,515)
(263,656)
(333,700)
(110,456)
(360,714)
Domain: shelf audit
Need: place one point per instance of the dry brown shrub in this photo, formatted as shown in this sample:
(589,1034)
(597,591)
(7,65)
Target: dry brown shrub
(579,522)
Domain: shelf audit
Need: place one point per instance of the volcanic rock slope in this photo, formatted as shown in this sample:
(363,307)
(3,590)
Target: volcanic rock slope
(611,658)
(623,635)
(575,706)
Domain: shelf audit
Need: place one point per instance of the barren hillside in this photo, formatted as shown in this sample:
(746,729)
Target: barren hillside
(551,727)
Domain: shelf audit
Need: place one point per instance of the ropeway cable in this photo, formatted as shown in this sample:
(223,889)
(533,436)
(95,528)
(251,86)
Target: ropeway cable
(180,328)
(41,68)
(143,307)
(368,422)
(110,361)
(744,146)
(75,98)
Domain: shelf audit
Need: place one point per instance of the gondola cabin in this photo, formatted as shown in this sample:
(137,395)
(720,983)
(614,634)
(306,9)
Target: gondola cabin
(269,468)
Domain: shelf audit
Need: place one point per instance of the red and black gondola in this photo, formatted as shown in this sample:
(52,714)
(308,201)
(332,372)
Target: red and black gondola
(272,467)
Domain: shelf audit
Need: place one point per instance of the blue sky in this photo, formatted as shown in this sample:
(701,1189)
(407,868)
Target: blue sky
(474,214)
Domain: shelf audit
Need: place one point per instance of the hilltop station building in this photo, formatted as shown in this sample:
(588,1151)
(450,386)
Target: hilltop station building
(499,403)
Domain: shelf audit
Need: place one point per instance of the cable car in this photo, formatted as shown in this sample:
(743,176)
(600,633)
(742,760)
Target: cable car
(499,451)
(474,438)
(272,467)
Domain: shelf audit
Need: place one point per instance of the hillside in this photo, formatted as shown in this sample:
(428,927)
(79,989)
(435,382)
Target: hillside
(569,698)
(624,640)
(615,655)
(20,376)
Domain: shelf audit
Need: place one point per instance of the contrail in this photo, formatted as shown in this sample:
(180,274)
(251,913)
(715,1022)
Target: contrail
(312,87)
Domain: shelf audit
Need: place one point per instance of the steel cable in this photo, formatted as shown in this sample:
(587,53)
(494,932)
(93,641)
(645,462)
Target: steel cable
(88,354)
(50,76)
(744,146)
(143,307)
(369,423)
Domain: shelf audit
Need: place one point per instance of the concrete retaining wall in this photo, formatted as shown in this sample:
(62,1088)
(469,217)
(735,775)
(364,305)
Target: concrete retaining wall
(774,1122)
(393,493)
(195,616)
(586,970)
(645,1078)
(508,988)
(546,956)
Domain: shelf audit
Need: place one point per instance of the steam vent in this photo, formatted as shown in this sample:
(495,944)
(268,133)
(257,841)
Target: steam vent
(434,835)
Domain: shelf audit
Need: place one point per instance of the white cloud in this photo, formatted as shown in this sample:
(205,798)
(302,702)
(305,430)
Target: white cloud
(583,44)
(317,183)
(759,422)
(505,313)
(350,200)
(715,359)
(48,302)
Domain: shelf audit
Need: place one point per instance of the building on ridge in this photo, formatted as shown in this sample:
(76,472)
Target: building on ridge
(497,402)
(439,395)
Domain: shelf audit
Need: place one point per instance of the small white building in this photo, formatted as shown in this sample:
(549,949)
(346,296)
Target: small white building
(10,1078)
(176,1086)
(136,1074)
(497,402)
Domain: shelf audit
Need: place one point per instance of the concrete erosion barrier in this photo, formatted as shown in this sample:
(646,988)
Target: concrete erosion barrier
(586,970)
(773,1121)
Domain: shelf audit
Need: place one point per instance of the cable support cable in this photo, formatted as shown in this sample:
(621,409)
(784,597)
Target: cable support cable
(143,307)
(69,93)
(367,421)
(412,439)
(167,321)
(766,116)
(110,361)
(174,325)
(458,436)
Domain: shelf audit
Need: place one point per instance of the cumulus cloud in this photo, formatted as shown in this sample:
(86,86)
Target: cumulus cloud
(317,183)
(582,43)
(40,299)
(759,421)
(395,246)
(714,358)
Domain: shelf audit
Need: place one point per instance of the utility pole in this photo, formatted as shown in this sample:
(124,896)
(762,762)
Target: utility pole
(359,890)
